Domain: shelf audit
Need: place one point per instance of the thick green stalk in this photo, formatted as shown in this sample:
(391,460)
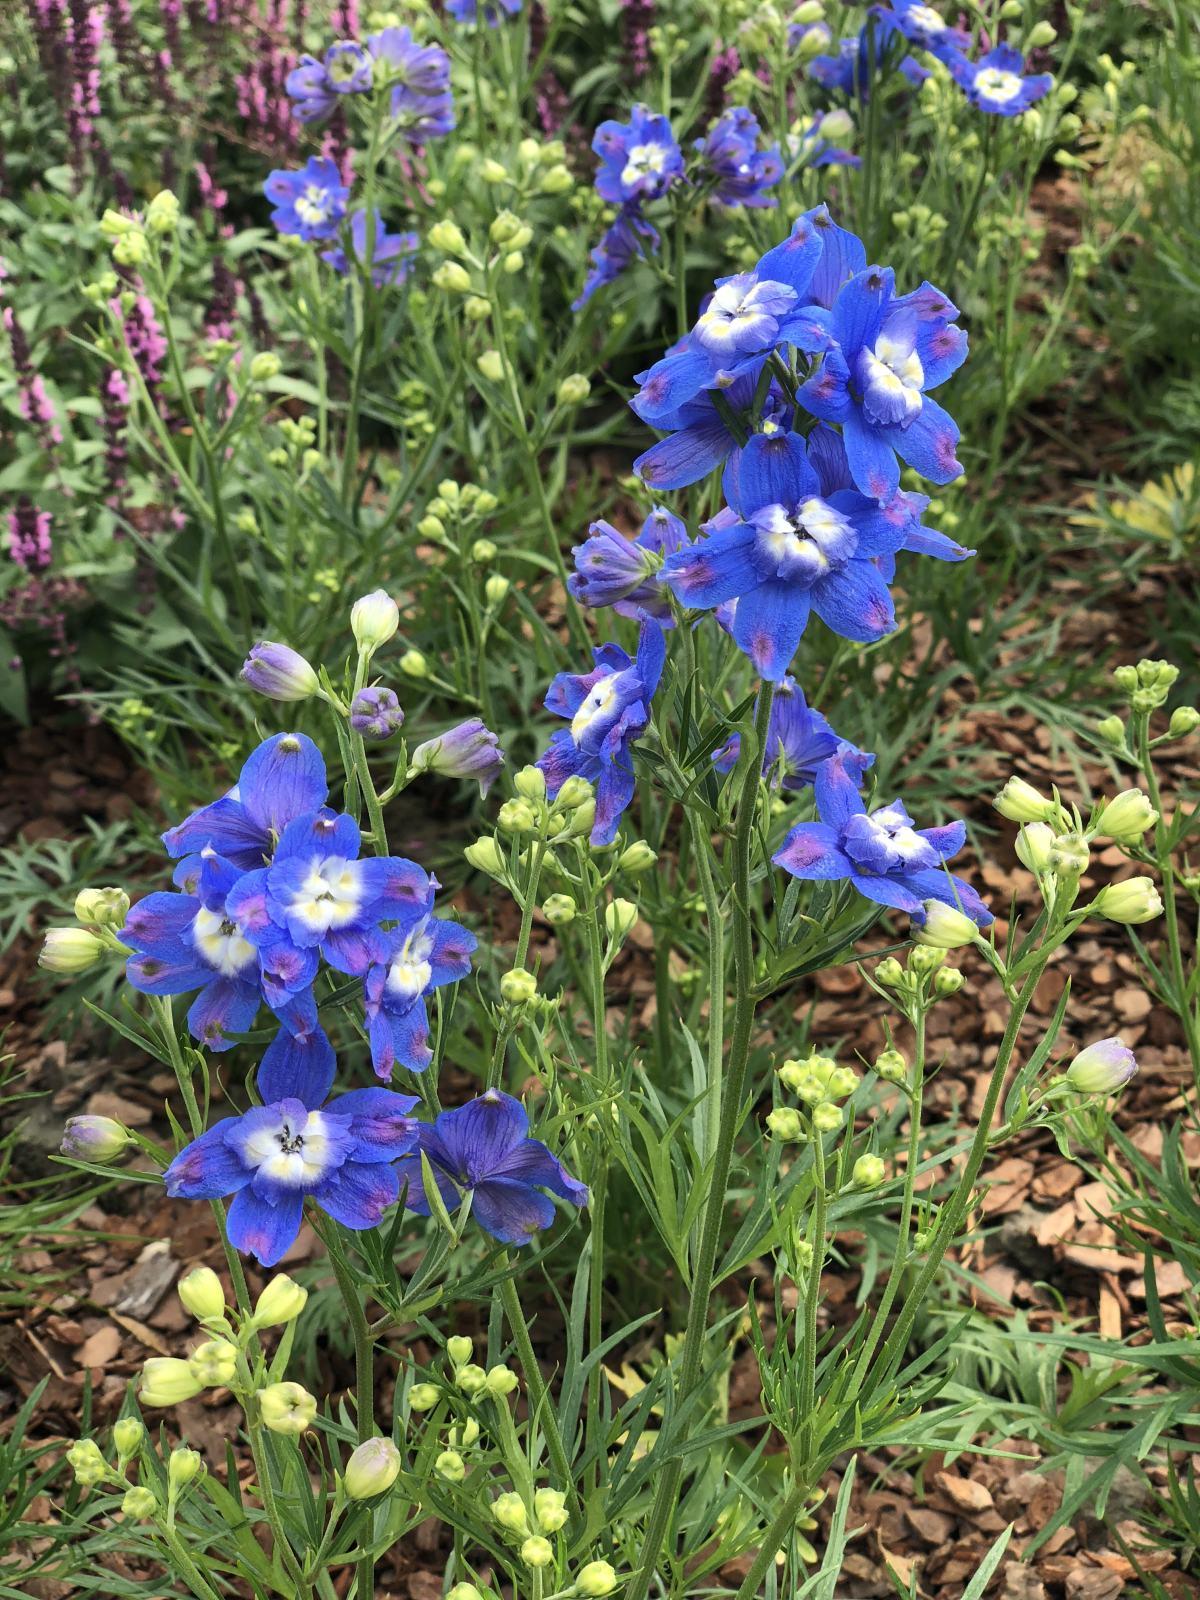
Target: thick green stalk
(772,1541)
(739,1054)
(599,1185)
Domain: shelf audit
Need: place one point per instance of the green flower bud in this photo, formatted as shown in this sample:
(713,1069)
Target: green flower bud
(87,1463)
(582,820)
(484,855)
(495,589)
(924,959)
(1132,902)
(947,982)
(492,171)
(162,214)
(1184,720)
(423,1397)
(95,1139)
(485,502)
(1069,856)
(1126,678)
(477,309)
(509,1511)
(595,1580)
(201,1293)
(891,1066)
(1102,1068)
(537,1552)
(102,908)
(550,1510)
(184,1467)
(460,1349)
(483,551)
(637,857)
(784,1123)
(842,1081)
(1126,817)
(214,1363)
(513,262)
(287,1408)
(1040,35)
(574,390)
(130,250)
(558,910)
(945,927)
(500,1381)
(1035,846)
(166,1381)
(465,1591)
(264,367)
(372,1469)
(1020,802)
(414,665)
(281,1301)
(139,1504)
(557,180)
(451,1466)
(620,918)
(869,1172)
(516,816)
(491,364)
(128,1434)
(470,1378)
(826,1117)
(69,950)
(465,1435)
(530,784)
(452,278)
(518,987)
(889,972)
(374,619)
(576,791)
(447,237)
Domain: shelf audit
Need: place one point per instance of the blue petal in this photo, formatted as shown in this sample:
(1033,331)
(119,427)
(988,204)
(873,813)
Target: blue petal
(511,1212)
(532,1162)
(258,1228)
(297,1069)
(669,385)
(874,468)
(562,759)
(811,851)
(942,350)
(768,624)
(400,1037)
(714,569)
(399,886)
(837,785)
(885,891)
(208,1167)
(795,260)
(855,603)
(951,891)
(246,903)
(771,470)
(450,958)
(614,791)
(827,456)
(928,443)
(826,393)
(379,1121)
(282,780)
(358,1193)
(225,826)
(224,1006)
(158,975)
(156,925)
(686,456)
(859,307)
(408,1171)
(477,1138)
(947,840)
(651,655)
(318,833)
(842,255)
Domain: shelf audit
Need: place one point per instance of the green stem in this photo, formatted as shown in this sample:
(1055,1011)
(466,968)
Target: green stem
(666,1498)
(1183,1008)
(781,1525)
(599,1185)
(540,1407)
(520,956)
(812,1299)
(364,1378)
(186,1565)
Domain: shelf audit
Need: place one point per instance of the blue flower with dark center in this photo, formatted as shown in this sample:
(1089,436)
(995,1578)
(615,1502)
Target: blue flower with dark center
(402,967)
(309,203)
(889,351)
(483,1150)
(883,854)
(608,708)
(789,551)
(730,157)
(282,780)
(627,239)
(996,82)
(799,739)
(418,77)
(294,1147)
(639,159)
(390,254)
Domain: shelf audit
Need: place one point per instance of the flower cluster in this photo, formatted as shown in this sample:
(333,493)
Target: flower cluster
(416,76)
(730,159)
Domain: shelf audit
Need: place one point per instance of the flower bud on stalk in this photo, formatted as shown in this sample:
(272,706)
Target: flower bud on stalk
(637,857)
(1034,846)
(500,1381)
(1069,856)
(518,987)
(869,1172)
(550,1510)
(537,1552)
(826,1117)
(495,589)
(287,1408)
(184,1467)
(376,713)
(558,910)
(1184,720)
(595,1580)
(96,1139)
(69,951)
(620,918)
(484,855)
(575,792)
(947,982)
(279,672)
(451,1466)
(516,816)
(214,1363)
(1111,730)
(372,1469)
(1020,802)
(891,1066)
(423,1397)
(509,1511)
(374,620)
(1102,1068)
(128,1434)
(201,1293)
(784,1122)
(414,665)
(469,750)
(167,1381)
(530,784)
(471,1378)
(464,1591)
(1132,902)
(102,908)
(1126,817)
(264,367)
(944,927)
(574,390)
(139,1504)
(281,1301)
(460,1349)
(890,972)
(87,1463)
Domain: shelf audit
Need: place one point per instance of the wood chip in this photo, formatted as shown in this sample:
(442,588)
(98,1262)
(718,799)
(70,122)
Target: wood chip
(965,1493)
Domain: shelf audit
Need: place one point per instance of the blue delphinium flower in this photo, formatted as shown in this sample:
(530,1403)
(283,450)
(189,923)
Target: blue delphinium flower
(404,965)
(309,203)
(293,1147)
(849,71)
(608,708)
(493,10)
(626,239)
(611,570)
(315,85)
(920,25)
(799,739)
(996,82)
(789,551)
(882,853)
(483,1149)
(419,79)
(889,350)
(283,779)
(376,713)
(639,159)
(730,158)
(390,253)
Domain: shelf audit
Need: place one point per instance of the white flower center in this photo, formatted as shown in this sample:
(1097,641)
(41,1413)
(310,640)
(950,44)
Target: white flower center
(410,970)
(806,543)
(998,84)
(313,205)
(222,943)
(599,701)
(292,1153)
(330,894)
(642,160)
(890,829)
(925,18)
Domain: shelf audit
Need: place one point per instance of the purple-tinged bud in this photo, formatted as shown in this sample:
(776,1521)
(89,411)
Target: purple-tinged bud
(279,672)
(376,714)
(1102,1068)
(98,1139)
(468,751)
(609,567)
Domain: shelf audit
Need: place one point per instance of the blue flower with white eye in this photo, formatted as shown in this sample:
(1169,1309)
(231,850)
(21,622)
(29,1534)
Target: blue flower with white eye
(799,739)
(611,570)
(418,77)
(402,967)
(889,350)
(639,159)
(920,25)
(627,239)
(731,160)
(295,1148)
(608,708)
(391,254)
(315,85)
(883,854)
(309,203)
(997,81)
(282,780)
(483,1150)
(492,10)
(789,551)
